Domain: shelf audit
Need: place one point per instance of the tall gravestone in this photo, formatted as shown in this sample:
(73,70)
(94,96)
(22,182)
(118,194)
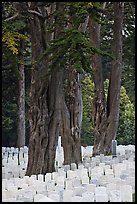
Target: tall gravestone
(114,148)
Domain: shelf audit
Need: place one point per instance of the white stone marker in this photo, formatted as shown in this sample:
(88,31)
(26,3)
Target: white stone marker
(68,184)
(85,179)
(67,195)
(76,182)
(51,185)
(84,172)
(27,196)
(126,193)
(45,199)
(108,171)
(79,190)
(88,196)
(90,188)
(9,200)
(70,174)
(77,199)
(54,176)
(61,172)
(100,190)
(80,166)
(73,166)
(40,188)
(115,196)
(111,186)
(60,181)
(101,197)
(55,197)
(47,177)
(40,177)
(4,196)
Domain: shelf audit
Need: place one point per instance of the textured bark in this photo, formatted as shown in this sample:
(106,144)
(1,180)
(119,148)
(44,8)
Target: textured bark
(71,113)
(54,104)
(45,104)
(106,115)
(115,77)
(21,105)
(99,101)
(39,118)
(72,119)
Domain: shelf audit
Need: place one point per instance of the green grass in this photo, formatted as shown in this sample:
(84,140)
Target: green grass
(133,197)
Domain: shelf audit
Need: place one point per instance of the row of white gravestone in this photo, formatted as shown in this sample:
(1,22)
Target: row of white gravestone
(123,150)
(95,171)
(93,165)
(88,162)
(62,190)
(77,179)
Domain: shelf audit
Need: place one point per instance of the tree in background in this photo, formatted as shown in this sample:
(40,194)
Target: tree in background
(12,40)
(106,113)
(128,32)
(9,99)
(87,136)
(126,127)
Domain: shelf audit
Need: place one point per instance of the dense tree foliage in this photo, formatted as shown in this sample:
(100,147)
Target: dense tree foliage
(87,136)
(9,98)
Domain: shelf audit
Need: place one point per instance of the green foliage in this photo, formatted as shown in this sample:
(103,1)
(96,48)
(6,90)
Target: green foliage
(133,197)
(11,40)
(14,34)
(87,126)
(9,98)
(73,48)
(12,30)
(78,11)
(126,128)
(9,110)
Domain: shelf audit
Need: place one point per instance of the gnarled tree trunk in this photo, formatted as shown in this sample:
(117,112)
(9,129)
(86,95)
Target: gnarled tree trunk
(72,119)
(99,101)
(106,115)
(39,115)
(45,104)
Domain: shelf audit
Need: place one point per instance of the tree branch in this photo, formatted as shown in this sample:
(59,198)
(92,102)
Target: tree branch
(12,17)
(36,13)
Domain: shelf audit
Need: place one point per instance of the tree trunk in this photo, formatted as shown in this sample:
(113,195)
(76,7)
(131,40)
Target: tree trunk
(21,105)
(54,104)
(99,101)
(72,111)
(72,119)
(45,105)
(105,116)
(39,113)
(113,100)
